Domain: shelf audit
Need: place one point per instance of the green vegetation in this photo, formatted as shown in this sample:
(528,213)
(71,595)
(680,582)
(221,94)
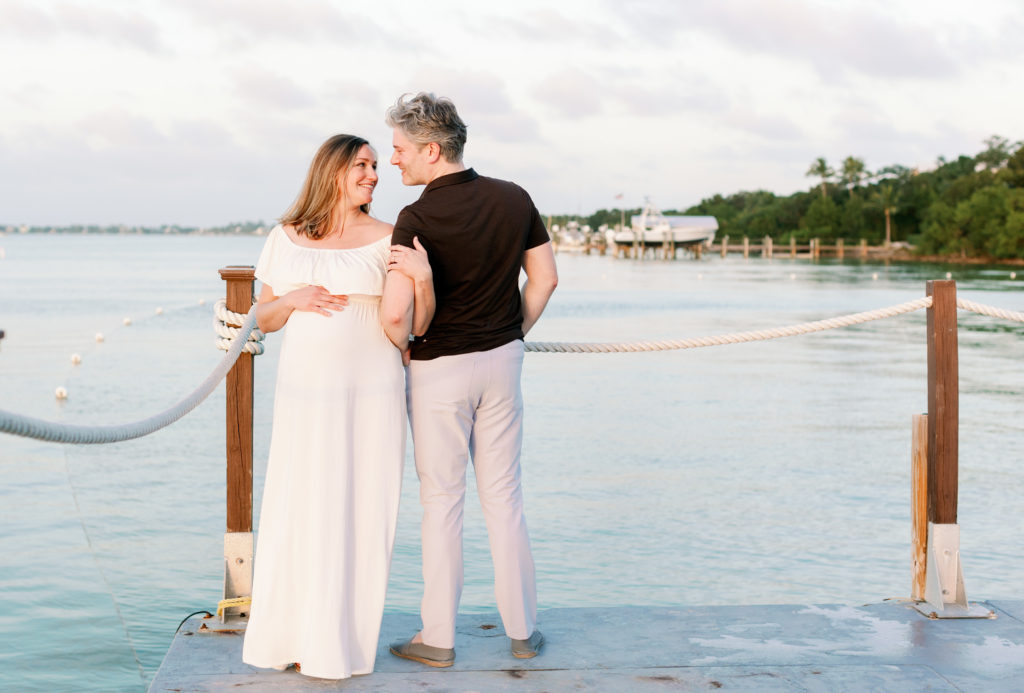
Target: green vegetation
(971,207)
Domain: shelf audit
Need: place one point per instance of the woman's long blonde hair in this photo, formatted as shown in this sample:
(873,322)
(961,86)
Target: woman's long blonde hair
(310,215)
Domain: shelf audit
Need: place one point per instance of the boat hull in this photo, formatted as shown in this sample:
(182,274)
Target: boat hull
(683,237)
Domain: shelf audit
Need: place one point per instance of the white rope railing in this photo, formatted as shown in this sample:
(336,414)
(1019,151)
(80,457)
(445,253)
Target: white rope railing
(732,338)
(53,432)
(248,338)
(990,311)
(223,319)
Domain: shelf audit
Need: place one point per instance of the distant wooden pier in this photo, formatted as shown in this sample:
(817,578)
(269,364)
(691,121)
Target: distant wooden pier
(814,248)
(765,248)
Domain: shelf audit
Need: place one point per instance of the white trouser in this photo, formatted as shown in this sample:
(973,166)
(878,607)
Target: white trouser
(461,405)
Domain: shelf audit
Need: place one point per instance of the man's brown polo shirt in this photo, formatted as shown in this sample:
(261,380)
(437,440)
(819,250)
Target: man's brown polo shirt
(475,230)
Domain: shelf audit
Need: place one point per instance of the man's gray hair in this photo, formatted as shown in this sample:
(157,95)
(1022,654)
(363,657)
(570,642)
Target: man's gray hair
(426,118)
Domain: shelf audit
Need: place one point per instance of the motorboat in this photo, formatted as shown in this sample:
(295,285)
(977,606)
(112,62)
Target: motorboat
(651,227)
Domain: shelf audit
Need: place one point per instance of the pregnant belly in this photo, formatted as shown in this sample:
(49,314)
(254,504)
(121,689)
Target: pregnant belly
(353,335)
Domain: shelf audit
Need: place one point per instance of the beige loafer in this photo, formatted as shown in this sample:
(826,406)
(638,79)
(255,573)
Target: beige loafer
(424,654)
(525,649)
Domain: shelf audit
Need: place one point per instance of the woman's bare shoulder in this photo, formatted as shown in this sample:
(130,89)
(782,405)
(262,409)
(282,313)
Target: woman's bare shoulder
(379,229)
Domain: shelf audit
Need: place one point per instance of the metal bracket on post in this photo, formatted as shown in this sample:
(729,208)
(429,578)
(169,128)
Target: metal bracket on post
(944,592)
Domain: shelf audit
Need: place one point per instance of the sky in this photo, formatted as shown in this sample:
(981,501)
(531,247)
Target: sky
(207,112)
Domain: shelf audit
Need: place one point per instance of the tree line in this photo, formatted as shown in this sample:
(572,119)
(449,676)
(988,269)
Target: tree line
(972,206)
(239,227)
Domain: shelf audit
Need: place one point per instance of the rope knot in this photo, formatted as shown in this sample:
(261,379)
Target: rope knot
(225,324)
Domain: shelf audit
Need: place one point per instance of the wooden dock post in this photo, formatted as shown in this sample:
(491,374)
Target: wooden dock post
(918,504)
(792,246)
(943,403)
(839,248)
(768,246)
(863,248)
(944,592)
(725,245)
(238,541)
(746,247)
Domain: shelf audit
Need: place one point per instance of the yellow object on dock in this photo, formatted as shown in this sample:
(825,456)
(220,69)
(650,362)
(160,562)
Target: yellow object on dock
(231,603)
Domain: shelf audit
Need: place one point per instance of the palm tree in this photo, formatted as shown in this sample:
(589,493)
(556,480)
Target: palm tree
(888,198)
(853,171)
(821,169)
(997,150)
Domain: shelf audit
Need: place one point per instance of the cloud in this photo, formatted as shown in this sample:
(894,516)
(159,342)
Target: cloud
(115,167)
(571,92)
(697,95)
(269,130)
(257,87)
(19,20)
(575,93)
(116,129)
(545,26)
(1001,42)
(30,96)
(879,141)
(476,90)
(769,126)
(259,18)
(349,93)
(482,101)
(834,39)
(248,22)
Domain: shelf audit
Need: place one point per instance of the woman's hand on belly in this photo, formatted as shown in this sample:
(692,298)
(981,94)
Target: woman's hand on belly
(316,299)
(273,311)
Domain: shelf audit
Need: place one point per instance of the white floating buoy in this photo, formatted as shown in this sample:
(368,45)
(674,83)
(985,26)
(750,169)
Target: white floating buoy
(61,393)
(99,336)
(875,276)
(792,276)
(76,359)
(202,301)
(159,311)
(700,276)
(1013,275)
(127,321)
(949,275)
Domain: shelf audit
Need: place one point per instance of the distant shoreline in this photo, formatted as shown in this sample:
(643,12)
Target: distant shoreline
(908,256)
(260,229)
(249,228)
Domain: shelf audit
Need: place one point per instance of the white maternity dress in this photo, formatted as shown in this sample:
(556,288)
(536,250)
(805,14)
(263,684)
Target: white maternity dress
(330,500)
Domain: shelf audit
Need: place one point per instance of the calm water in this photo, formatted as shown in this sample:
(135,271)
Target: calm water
(754,473)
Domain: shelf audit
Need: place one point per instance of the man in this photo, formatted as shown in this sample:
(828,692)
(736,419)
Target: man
(463,382)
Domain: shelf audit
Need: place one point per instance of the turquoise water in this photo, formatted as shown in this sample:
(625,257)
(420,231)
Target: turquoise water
(773,472)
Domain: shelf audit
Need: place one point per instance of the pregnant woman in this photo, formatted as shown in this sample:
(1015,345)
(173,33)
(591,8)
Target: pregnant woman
(330,500)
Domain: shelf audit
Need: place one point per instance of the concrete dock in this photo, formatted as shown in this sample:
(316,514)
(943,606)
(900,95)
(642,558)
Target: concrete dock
(888,646)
